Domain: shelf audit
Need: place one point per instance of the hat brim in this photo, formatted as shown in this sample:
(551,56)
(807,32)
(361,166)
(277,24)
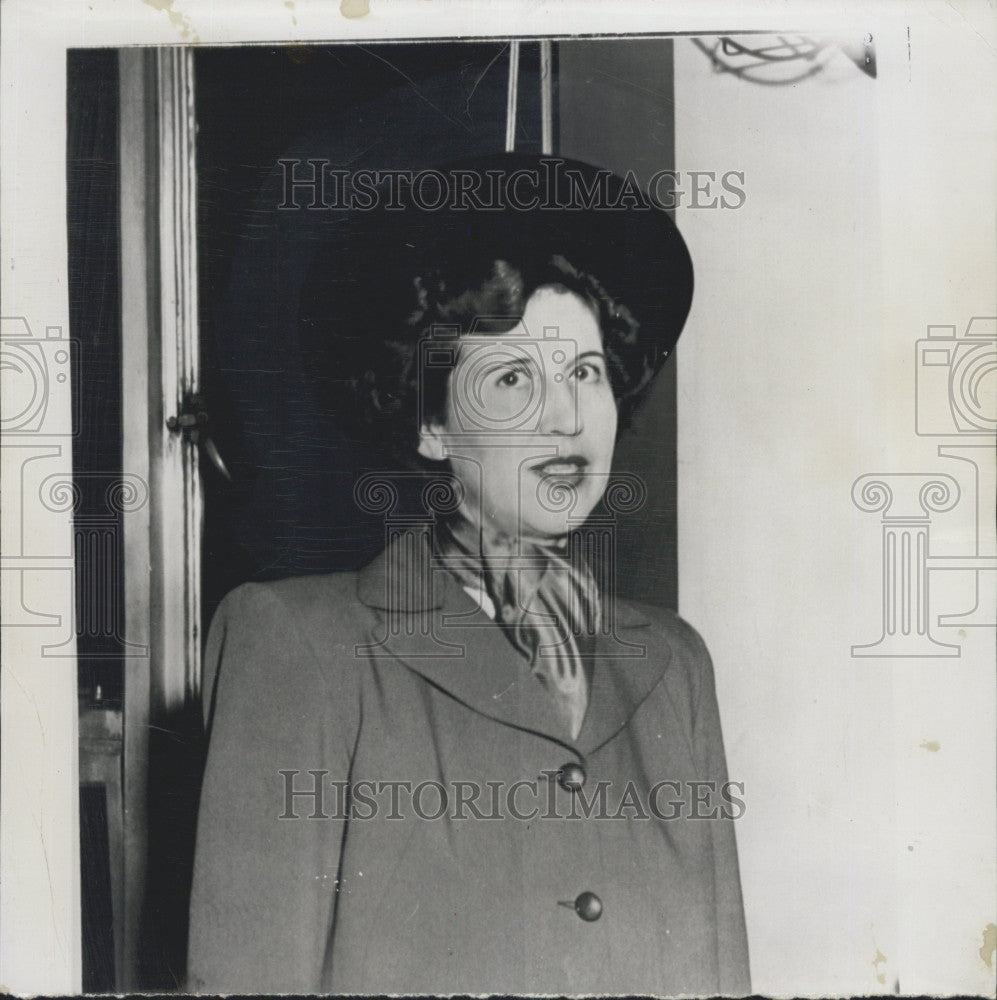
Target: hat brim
(506,206)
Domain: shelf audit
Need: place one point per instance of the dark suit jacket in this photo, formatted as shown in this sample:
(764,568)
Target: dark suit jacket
(361,893)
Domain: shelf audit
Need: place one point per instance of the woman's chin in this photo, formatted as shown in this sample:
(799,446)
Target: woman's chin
(547,524)
(560,510)
(536,520)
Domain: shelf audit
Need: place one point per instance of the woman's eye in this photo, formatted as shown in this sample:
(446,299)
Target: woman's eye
(588,373)
(511,378)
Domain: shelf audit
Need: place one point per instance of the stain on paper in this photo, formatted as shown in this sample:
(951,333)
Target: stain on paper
(989,945)
(289,4)
(179,21)
(354,8)
(879,960)
(932,746)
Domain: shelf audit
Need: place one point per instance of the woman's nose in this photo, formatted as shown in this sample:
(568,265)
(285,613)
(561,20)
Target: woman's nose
(560,414)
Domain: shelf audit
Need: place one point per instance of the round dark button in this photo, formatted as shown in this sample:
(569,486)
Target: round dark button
(571,776)
(588,906)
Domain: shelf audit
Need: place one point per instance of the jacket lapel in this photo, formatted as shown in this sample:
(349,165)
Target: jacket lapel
(625,671)
(429,623)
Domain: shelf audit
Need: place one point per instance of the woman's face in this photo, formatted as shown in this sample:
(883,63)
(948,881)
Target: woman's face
(530,420)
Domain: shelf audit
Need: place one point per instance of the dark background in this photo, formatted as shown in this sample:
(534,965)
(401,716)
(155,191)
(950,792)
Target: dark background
(95,326)
(290,507)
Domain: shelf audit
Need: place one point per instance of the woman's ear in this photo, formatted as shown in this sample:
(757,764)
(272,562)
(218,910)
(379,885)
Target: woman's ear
(431,444)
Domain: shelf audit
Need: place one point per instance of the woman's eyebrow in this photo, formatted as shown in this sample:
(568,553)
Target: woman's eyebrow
(587,354)
(514,361)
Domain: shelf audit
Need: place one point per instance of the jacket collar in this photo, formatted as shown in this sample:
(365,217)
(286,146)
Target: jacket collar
(427,621)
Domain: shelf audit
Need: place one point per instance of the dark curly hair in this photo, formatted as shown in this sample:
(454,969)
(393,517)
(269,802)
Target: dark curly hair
(392,392)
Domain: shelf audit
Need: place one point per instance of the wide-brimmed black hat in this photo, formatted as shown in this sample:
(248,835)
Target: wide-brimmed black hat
(312,287)
(506,206)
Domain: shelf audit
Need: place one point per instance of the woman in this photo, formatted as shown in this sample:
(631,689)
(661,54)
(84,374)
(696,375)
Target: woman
(470,767)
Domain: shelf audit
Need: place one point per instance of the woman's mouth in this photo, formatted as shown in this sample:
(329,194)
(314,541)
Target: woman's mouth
(568,467)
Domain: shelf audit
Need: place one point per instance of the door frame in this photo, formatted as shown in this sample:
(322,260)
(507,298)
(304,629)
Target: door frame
(160,372)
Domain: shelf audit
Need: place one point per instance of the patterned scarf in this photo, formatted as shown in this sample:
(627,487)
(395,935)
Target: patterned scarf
(547,603)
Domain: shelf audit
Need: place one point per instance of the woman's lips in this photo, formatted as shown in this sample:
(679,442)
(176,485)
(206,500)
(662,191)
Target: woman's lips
(570,468)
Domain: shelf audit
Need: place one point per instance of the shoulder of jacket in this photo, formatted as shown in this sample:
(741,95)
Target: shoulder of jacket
(689,664)
(283,636)
(663,621)
(303,597)
(322,610)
